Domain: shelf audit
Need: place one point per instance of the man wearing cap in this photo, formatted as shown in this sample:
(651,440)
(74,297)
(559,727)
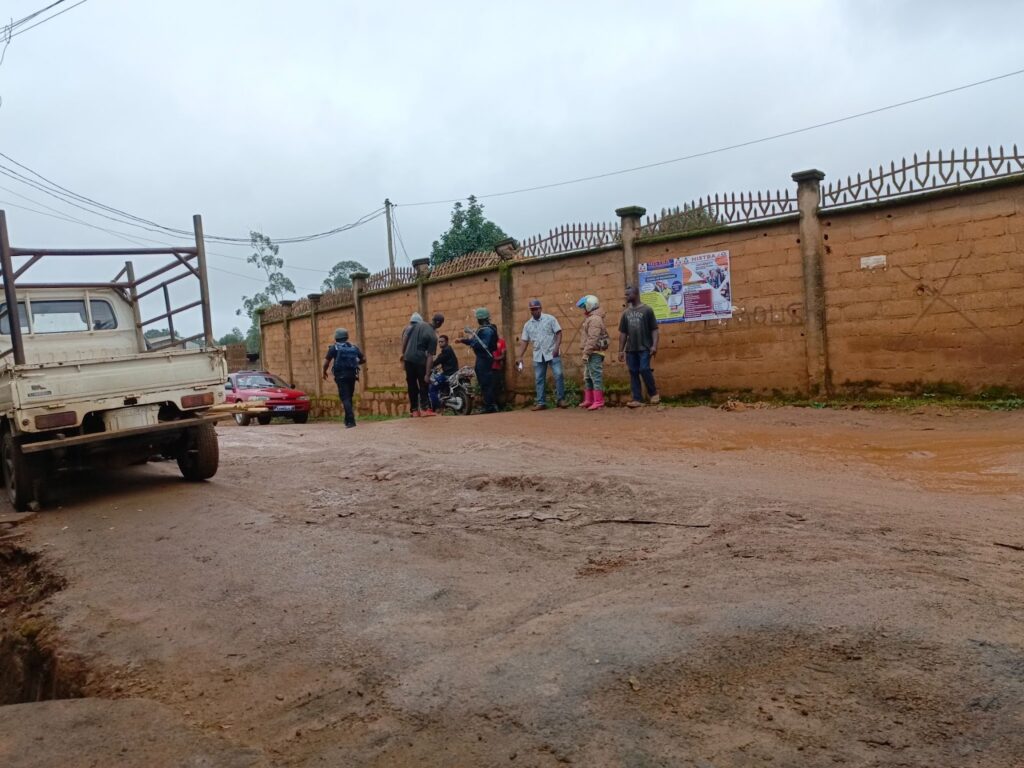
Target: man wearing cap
(543,331)
(484,341)
(345,359)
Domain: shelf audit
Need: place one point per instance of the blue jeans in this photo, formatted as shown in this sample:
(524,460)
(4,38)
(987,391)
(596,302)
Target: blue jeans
(437,380)
(540,373)
(639,364)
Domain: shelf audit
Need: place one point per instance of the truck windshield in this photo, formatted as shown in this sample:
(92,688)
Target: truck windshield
(5,320)
(61,316)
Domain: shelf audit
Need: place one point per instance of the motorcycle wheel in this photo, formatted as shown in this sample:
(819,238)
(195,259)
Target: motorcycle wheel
(467,404)
(460,403)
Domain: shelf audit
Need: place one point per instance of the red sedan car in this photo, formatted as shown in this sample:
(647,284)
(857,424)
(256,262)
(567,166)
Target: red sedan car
(267,390)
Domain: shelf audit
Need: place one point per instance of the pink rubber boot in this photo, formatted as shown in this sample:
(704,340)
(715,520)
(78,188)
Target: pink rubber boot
(588,398)
(598,401)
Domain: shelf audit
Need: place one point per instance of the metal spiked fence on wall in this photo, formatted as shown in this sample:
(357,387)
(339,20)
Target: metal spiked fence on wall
(922,174)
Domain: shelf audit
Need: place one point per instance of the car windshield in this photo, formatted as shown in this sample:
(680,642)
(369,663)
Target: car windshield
(260,381)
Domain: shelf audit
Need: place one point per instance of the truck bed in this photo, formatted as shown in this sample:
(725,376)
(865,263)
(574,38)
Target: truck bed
(100,384)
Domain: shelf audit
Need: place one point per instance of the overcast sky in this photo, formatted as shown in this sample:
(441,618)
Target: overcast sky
(298,117)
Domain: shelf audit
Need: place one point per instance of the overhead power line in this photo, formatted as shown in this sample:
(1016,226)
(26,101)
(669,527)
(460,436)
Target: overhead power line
(13,25)
(43,21)
(96,208)
(728,148)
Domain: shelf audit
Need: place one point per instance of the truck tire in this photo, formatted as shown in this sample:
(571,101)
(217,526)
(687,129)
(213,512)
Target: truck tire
(243,419)
(301,418)
(199,455)
(264,418)
(19,472)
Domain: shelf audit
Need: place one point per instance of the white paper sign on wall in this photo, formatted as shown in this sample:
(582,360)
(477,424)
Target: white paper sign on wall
(872,262)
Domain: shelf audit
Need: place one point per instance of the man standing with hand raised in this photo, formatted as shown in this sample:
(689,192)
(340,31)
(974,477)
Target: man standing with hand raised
(543,331)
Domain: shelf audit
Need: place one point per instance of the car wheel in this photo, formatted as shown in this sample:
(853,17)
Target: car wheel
(301,418)
(199,455)
(243,419)
(19,474)
(264,418)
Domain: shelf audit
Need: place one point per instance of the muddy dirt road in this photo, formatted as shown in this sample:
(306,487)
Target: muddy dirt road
(809,588)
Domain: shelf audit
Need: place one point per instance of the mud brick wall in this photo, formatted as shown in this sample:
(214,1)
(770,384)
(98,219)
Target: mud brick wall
(457,299)
(327,322)
(272,348)
(236,357)
(559,284)
(762,347)
(385,314)
(303,356)
(947,306)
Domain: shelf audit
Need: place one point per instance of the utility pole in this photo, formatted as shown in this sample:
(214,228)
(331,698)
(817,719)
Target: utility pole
(391,246)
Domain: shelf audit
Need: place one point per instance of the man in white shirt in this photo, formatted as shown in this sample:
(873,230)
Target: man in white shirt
(543,331)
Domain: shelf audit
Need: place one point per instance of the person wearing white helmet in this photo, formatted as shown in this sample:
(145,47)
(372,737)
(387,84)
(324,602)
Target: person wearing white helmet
(594,345)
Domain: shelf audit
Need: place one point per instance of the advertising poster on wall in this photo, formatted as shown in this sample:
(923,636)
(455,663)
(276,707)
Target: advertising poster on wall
(688,289)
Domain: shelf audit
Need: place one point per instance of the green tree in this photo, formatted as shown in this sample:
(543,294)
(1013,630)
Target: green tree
(469,232)
(158,333)
(235,337)
(252,338)
(265,258)
(340,275)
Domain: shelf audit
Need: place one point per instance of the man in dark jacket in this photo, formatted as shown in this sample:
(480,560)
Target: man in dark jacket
(449,365)
(484,341)
(344,359)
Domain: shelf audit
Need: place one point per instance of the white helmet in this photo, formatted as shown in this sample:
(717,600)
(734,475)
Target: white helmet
(588,303)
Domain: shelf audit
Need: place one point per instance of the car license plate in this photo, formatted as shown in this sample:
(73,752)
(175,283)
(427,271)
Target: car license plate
(284,407)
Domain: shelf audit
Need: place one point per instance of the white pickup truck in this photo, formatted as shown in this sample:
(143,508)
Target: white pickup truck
(80,385)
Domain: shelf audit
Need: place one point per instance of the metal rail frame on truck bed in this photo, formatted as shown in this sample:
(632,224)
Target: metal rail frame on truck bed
(133,288)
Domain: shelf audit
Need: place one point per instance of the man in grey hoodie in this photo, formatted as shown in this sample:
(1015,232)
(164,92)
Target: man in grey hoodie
(419,345)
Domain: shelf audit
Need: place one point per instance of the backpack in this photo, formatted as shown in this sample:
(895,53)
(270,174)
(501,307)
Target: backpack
(603,341)
(346,361)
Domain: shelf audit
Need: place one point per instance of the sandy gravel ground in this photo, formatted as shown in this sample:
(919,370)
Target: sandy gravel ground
(683,587)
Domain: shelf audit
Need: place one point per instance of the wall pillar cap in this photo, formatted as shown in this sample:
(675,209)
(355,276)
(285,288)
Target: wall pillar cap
(630,210)
(507,248)
(287,302)
(811,174)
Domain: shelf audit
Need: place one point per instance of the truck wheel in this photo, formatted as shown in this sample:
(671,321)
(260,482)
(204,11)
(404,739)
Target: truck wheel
(264,418)
(199,456)
(19,474)
(301,418)
(243,419)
